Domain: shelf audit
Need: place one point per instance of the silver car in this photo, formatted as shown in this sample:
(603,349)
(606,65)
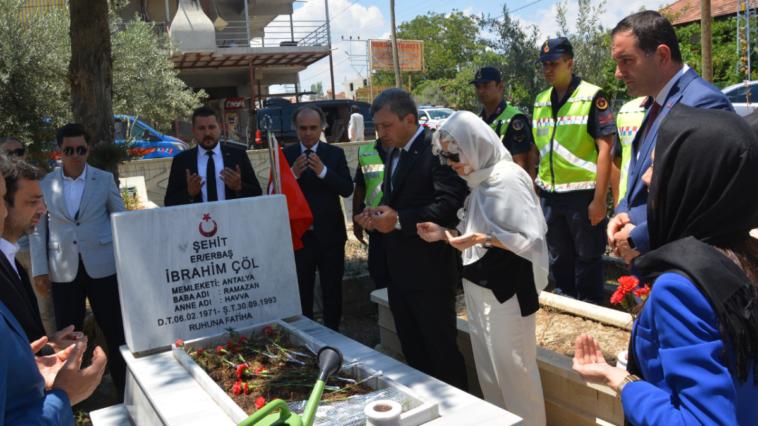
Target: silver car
(739,94)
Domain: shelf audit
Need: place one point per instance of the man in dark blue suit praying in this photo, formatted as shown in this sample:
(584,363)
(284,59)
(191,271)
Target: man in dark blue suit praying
(323,175)
(649,61)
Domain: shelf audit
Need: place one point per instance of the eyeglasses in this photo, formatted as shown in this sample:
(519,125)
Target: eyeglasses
(18,152)
(69,151)
(454,157)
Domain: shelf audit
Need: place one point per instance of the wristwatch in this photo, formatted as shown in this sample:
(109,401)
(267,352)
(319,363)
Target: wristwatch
(630,241)
(397,223)
(488,244)
(628,379)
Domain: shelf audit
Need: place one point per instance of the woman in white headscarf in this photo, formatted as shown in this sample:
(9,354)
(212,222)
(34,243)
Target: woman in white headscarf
(502,237)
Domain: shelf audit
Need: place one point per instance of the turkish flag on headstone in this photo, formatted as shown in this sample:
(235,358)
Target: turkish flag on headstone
(300,214)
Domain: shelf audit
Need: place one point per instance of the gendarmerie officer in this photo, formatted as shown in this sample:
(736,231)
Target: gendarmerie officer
(573,129)
(508,122)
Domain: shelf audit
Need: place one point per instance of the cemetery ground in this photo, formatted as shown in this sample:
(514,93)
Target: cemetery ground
(556,330)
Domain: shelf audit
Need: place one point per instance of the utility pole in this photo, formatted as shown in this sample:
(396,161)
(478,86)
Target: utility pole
(706,39)
(395,58)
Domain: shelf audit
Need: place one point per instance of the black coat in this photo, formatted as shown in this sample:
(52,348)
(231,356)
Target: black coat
(425,191)
(176,192)
(323,195)
(18,296)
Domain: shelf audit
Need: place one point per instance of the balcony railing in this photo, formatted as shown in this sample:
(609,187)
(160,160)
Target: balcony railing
(277,33)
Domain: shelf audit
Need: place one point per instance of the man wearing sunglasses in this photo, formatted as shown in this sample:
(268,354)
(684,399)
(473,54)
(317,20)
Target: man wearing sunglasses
(72,245)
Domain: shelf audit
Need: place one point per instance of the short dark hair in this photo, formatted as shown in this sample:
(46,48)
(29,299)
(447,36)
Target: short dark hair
(18,170)
(400,102)
(355,109)
(650,29)
(567,56)
(305,107)
(204,111)
(71,130)
(5,139)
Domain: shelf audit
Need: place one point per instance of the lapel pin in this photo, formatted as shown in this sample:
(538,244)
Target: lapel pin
(669,105)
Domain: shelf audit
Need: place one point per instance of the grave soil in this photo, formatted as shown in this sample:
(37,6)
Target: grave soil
(557,331)
(280,379)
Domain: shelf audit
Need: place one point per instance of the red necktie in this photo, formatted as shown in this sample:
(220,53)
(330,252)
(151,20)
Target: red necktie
(652,115)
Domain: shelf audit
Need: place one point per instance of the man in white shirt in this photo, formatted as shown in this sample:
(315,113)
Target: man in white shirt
(210,171)
(323,175)
(72,246)
(23,199)
(355,127)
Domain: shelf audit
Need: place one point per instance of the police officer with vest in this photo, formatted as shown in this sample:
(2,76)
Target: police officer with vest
(628,122)
(368,192)
(573,129)
(508,122)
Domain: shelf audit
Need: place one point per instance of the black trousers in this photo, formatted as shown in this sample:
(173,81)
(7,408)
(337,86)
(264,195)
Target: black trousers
(426,325)
(329,259)
(69,301)
(376,259)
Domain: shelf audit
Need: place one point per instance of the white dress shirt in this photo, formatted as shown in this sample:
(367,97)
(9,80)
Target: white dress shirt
(406,148)
(73,189)
(302,151)
(664,93)
(202,170)
(10,250)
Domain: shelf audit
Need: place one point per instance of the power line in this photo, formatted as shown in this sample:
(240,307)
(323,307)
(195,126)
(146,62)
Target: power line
(348,7)
(316,75)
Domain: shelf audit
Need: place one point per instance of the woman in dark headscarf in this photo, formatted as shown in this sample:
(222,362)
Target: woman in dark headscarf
(692,356)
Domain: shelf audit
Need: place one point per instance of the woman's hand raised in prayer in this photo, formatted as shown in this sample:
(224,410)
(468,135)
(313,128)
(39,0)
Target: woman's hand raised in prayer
(590,364)
(430,232)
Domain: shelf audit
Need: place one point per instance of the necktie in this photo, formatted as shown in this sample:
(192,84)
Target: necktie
(210,178)
(652,115)
(307,170)
(397,167)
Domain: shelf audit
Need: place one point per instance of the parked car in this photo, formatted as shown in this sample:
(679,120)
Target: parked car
(738,96)
(337,118)
(148,142)
(433,117)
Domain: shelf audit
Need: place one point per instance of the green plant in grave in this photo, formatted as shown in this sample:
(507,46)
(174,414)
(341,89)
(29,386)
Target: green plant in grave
(131,200)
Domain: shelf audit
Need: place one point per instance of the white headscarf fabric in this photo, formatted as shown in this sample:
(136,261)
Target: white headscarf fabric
(502,200)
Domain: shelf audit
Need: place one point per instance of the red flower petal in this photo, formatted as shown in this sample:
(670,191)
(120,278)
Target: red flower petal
(260,402)
(247,389)
(242,370)
(200,352)
(237,388)
(242,339)
(180,343)
(628,283)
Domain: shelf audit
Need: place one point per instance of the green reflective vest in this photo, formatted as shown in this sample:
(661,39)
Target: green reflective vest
(568,154)
(504,119)
(628,122)
(373,173)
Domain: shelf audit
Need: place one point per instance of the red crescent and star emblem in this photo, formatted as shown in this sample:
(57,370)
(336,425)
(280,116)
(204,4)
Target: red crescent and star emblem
(207,217)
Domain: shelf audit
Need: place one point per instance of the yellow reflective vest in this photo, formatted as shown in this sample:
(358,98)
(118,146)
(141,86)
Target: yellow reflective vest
(628,122)
(373,173)
(568,154)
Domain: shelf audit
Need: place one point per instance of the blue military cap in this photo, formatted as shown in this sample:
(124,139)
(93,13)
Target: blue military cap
(485,75)
(554,48)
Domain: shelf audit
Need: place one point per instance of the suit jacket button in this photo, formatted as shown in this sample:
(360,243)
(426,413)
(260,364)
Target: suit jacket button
(77,223)
(74,242)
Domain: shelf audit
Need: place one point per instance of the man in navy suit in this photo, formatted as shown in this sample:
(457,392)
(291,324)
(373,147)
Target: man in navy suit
(649,61)
(323,175)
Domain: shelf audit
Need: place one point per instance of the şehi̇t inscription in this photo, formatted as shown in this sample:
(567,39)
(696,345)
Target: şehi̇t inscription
(224,287)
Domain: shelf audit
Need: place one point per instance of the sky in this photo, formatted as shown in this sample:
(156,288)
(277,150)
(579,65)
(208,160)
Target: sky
(370,19)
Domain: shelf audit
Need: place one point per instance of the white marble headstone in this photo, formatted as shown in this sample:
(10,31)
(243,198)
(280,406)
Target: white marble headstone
(192,271)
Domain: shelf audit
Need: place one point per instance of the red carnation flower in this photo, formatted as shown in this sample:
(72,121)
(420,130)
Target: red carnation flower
(242,339)
(618,296)
(237,388)
(242,370)
(236,350)
(259,371)
(268,332)
(247,389)
(230,343)
(642,293)
(200,352)
(180,343)
(220,351)
(260,402)
(628,283)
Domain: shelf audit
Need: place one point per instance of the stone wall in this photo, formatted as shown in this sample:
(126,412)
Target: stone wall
(156,171)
